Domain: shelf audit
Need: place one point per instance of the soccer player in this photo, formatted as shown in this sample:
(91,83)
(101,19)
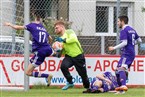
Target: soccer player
(128,39)
(40,46)
(73,55)
(103,83)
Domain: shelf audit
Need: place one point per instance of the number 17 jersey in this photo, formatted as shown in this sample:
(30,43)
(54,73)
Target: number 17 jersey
(39,35)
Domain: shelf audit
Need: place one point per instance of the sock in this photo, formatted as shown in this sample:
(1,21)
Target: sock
(37,74)
(44,75)
(118,78)
(122,77)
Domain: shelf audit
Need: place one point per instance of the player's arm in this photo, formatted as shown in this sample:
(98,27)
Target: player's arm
(101,90)
(50,39)
(122,44)
(101,76)
(72,38)
(16,27)
(57,54)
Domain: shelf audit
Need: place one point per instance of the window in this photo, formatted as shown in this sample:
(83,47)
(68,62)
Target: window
(102,19)
(106,17)
(123,11)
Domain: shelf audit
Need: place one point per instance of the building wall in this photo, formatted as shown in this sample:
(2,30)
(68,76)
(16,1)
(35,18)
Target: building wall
(6,15)
(139,19)
(83,15)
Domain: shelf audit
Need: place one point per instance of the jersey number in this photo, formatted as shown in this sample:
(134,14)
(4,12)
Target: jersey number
(42,37)
(133,39)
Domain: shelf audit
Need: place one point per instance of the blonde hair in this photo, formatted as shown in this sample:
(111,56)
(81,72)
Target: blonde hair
(59,23)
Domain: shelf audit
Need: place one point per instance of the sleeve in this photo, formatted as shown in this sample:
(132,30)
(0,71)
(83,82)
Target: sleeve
(123,35)
(137,39)
(72,37)
(106,73)
(121,45)
(136,36)
(28,27)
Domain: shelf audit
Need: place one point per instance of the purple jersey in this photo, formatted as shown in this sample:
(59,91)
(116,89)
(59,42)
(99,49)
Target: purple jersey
(129,34)
(39,35)
(128,52)
(106,86)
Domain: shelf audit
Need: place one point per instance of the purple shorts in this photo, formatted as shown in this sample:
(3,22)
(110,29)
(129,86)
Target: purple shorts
(126,60)
(40,55)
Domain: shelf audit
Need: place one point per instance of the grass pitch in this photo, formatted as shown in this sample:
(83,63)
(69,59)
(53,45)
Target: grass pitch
(73,92)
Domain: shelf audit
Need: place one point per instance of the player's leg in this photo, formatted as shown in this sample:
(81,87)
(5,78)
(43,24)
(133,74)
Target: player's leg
(127,79)
(36,61)
(117,72)
(42,54)
(80,65)
(117,77)
(122,74)
(66,64)
(121,69)
(29,70)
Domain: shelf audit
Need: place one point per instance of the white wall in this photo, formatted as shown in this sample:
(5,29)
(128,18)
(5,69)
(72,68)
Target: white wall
(7,15)
(83,14)
(139,19)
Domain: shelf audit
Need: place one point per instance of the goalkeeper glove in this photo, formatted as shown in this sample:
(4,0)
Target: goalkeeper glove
(57,54)
(60,39)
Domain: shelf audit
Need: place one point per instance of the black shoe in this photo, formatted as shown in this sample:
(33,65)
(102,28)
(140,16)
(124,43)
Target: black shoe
(95,91)
(87,91)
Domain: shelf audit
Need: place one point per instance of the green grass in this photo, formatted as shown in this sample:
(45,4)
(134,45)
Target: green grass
(74,92)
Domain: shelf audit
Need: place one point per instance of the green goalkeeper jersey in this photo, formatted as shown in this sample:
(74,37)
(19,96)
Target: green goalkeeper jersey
(72,46)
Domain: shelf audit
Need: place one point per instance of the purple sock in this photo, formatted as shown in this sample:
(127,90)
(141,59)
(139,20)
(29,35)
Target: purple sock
(37,74)
(44,75)
(118,79)
(122,77)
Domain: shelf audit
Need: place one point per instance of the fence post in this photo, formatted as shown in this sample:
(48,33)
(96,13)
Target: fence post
(102,45)
(117,37)
(26,45)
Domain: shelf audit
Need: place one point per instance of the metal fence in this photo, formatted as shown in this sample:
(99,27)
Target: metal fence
(94,21)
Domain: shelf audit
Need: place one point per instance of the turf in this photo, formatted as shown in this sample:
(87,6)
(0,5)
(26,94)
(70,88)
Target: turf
(74,92)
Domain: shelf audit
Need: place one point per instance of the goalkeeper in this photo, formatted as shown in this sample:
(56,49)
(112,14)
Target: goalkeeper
(73,55)
(40,46)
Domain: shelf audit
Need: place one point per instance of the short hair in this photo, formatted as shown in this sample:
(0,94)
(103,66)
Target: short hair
(124,19)
(37,14)
(59,23)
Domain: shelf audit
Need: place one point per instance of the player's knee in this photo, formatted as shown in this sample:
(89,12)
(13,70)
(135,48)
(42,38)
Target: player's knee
(28,73)
(118,70)
(121,69)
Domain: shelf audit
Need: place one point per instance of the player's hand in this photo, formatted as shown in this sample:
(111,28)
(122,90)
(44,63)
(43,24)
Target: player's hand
(107,80)
(59,39)
(57,54)
(7,24)
(111,48)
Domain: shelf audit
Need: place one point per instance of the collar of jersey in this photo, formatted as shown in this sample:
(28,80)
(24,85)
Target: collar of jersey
(124,27)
